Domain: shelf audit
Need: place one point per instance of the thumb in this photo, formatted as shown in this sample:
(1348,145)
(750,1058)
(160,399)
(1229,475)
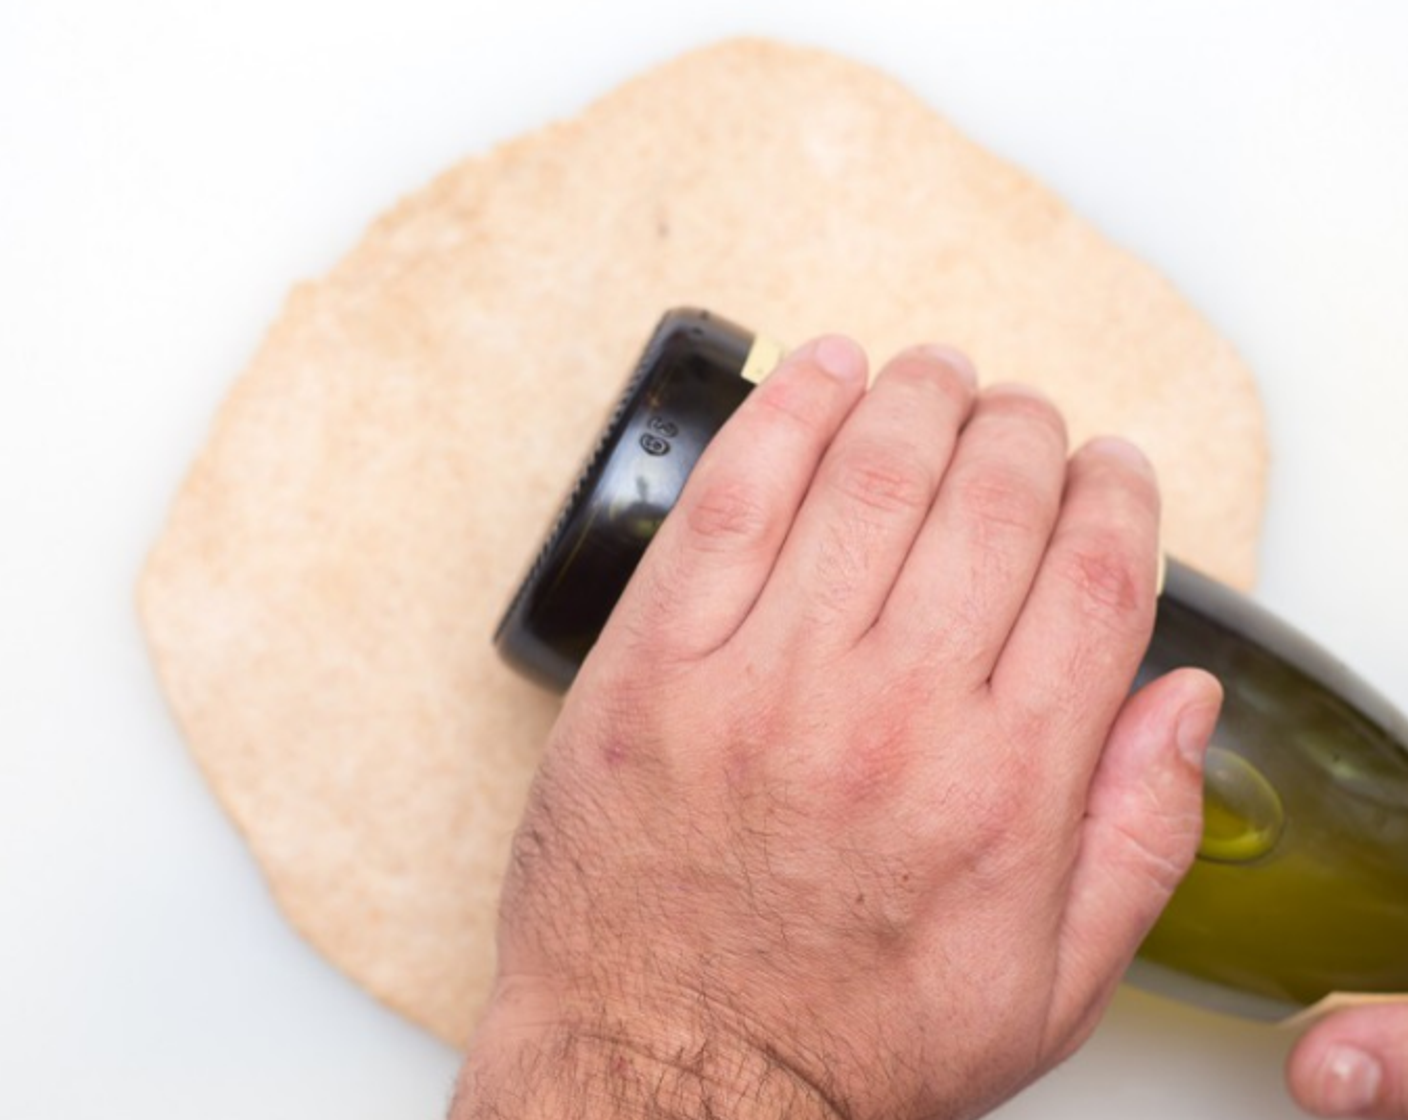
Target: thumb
(1142,824)
(1355,1063)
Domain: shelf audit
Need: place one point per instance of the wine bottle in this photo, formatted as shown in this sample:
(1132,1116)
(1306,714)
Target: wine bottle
(1300,887)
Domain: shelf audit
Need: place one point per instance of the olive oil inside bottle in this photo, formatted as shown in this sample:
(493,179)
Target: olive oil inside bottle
(1242,813)
(1301,885)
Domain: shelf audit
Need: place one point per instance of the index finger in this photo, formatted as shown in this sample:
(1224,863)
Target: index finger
(703,571)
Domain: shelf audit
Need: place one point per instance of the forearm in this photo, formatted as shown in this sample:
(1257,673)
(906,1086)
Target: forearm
(582,1074)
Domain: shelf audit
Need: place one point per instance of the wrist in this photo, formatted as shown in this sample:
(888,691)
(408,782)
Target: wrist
(531,1063)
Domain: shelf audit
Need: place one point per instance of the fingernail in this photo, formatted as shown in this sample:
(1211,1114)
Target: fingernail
(840,356)
(1349,1081)
(955,359)
(1194,731)
(1123,450)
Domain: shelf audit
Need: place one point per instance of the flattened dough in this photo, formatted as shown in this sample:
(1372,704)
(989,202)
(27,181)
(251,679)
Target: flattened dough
(320,603)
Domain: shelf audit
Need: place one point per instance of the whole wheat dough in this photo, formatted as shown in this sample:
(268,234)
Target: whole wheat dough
(320,604)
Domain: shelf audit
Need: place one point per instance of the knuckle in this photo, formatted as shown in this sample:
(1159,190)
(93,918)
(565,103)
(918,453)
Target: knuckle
(999,836)
(726,515)
(1003,498)
(1105,581)
(1005,813)
(883,480)
(1001,812)
(1161,861)
(873,768)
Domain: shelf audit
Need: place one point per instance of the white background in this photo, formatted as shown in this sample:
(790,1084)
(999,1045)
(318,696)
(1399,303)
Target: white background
(167,170)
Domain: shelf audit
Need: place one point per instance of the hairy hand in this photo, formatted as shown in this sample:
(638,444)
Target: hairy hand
(850,812)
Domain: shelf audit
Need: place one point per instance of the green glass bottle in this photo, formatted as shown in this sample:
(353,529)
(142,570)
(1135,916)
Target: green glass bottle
(1300,888)
(687,383)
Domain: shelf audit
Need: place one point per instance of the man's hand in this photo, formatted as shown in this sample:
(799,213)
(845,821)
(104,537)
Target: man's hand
(1355,1063)
(850,812)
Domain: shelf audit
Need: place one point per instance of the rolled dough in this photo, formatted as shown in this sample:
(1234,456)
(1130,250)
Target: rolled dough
(320,603)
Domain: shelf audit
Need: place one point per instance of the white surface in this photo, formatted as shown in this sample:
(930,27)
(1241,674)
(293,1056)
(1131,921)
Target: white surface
(167,170)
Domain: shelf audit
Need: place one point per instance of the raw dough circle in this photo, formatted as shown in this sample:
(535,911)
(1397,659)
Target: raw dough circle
(320,603)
